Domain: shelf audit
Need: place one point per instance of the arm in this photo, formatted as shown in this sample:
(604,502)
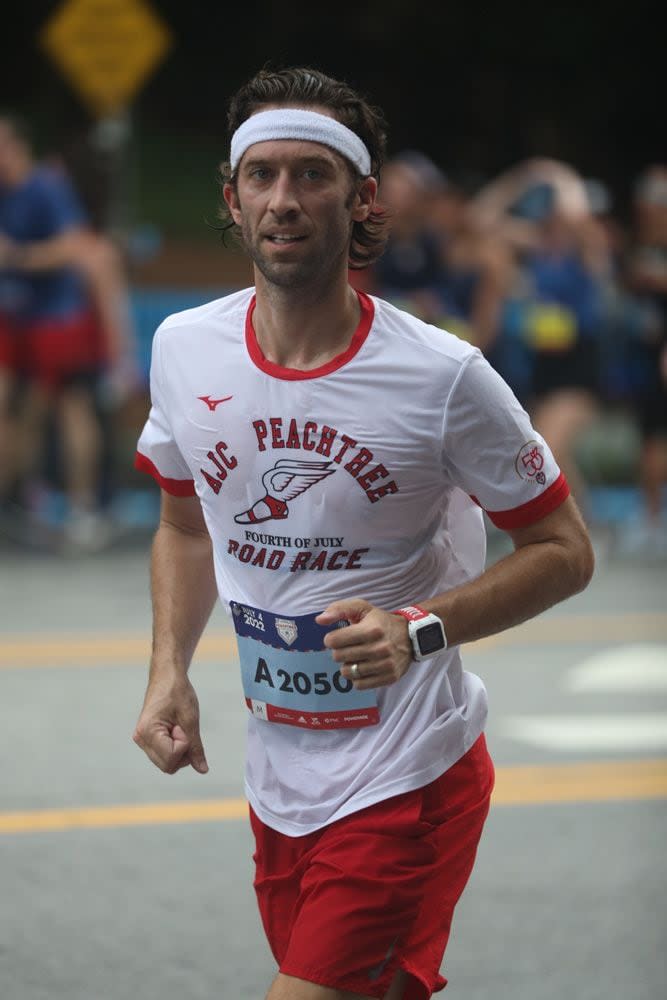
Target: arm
(183,592)
(490,208)
(66,249)
(100,265)
(495,264)
(552,560)
(496,199)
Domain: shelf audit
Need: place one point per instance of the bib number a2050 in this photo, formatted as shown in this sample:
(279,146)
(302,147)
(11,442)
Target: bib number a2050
(301,683)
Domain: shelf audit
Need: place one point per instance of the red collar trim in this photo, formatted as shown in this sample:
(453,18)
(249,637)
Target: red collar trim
(295,374)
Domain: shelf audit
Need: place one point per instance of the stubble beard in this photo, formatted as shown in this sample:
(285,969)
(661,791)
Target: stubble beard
(314,268)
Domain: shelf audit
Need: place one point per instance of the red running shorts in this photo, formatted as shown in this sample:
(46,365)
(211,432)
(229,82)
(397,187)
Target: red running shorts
(350,904)
(52,351)
(8,345)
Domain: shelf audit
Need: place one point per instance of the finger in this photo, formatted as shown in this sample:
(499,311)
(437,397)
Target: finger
(192,746)
(198,757)
(375,653)
(361,641)
(166,746)
(160,749)
(352,609)
(371,675)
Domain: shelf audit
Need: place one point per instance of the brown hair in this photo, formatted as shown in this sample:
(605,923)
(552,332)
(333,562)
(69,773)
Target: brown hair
(303,87)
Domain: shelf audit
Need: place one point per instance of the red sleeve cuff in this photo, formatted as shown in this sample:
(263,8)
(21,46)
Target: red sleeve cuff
(533,510)
(177,487)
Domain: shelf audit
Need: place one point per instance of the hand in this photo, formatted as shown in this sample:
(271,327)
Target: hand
(168,727)
(375,640)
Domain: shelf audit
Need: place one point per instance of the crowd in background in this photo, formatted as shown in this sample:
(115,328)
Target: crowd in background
(534,268)
(566,303)
(66,346)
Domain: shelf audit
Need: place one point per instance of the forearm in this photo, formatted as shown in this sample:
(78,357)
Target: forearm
(518,587)
(184,592)
(48,254)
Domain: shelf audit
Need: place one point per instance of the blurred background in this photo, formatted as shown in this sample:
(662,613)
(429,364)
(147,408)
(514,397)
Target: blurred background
(526,178)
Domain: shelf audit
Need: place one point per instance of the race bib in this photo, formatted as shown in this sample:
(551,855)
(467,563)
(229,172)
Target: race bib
(289,677)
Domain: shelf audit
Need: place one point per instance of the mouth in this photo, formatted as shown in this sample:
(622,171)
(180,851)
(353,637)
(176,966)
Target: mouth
(283,240)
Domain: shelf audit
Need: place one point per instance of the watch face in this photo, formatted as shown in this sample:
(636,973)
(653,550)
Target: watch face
(430,639)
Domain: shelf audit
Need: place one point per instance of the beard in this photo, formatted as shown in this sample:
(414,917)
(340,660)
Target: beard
(317,264)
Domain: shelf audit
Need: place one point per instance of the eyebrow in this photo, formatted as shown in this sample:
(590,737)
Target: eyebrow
(264,161)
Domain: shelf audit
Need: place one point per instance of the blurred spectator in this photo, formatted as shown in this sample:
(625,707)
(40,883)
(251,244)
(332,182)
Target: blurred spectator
(475,270)
(409,270)
(435,264)
(541,208)
(646,277)
(63,322)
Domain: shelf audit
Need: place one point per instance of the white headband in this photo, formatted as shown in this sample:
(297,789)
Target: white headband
(308,126)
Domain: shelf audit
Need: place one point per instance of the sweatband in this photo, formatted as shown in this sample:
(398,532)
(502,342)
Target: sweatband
(307,126)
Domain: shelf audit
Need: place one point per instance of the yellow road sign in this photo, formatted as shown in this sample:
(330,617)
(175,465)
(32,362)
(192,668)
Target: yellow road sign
(105,48)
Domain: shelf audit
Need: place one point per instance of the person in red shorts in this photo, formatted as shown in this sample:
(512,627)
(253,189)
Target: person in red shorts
(55,340)
(324,460)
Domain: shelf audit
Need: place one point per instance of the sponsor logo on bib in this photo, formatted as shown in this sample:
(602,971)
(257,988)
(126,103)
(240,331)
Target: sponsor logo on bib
(287,630)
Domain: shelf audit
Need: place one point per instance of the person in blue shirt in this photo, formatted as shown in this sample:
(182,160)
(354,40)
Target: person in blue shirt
(541,208)
(60,325)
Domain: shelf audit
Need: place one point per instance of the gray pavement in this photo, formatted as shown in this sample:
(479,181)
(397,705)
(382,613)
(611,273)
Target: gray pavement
(567,899)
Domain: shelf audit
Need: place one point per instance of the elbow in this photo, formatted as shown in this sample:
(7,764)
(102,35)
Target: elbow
(582,564)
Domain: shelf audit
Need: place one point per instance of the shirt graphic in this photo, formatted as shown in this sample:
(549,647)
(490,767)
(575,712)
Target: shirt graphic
(287,480)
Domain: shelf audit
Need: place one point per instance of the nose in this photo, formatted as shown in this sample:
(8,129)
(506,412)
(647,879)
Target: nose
(283,198)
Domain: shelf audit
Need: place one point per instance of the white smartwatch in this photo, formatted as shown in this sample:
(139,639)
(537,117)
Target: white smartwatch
(426,631)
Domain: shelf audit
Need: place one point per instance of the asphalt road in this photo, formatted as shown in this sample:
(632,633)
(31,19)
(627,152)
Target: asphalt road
(117,881)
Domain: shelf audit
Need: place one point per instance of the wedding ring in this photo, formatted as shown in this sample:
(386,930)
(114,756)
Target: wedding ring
(354,671)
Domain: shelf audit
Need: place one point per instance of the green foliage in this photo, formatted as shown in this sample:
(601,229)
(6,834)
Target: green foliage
(173,181)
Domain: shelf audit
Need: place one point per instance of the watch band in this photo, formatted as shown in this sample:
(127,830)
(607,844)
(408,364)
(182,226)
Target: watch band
(426,631)
(412,612)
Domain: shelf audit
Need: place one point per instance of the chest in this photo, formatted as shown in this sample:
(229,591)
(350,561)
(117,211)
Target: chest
(326,451)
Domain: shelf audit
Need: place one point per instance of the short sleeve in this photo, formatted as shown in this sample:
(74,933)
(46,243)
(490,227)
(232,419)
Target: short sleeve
(492,451)
(157,451)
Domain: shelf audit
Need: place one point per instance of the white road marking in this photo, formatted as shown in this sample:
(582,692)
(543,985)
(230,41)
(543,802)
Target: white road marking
(621,732)
(638,669)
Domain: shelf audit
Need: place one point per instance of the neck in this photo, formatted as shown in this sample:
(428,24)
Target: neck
(304,328)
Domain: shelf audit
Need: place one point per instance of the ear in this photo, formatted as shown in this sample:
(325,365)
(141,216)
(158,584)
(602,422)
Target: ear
(365,198)
(232,200)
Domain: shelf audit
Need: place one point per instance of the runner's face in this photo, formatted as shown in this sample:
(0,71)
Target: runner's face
(295,203)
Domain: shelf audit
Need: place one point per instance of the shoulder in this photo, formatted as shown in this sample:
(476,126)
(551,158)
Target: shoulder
(430,344)
(50,182)
(211,317)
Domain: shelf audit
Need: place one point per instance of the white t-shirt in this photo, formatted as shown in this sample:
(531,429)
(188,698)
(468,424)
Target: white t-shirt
(351,480)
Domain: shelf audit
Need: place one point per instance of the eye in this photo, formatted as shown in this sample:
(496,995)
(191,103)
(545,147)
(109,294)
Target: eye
(259,173)
(312,174)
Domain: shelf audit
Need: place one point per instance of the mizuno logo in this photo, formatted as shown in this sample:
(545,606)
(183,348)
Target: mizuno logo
(212,403)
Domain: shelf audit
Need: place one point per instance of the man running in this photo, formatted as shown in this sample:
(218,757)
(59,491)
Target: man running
(324,461)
